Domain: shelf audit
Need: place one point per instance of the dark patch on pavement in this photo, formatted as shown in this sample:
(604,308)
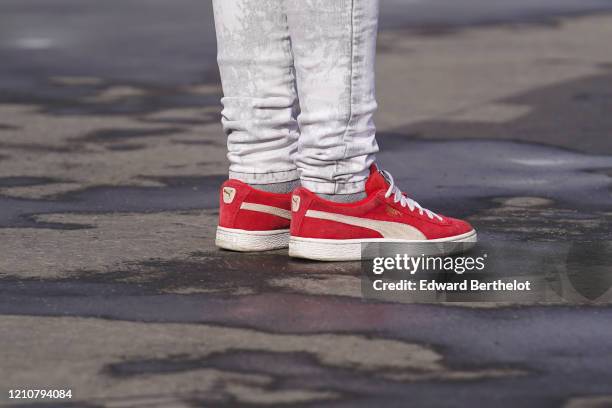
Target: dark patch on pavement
(213,118)
(288,371)
(8,127)
(195,182)
(180,193)
(244,361)
(544,223)
(432,15)
(572,114)
(78,99)
(29,221)
(114,135)
(125,147)
(21,181)
(198,142)
(45,148)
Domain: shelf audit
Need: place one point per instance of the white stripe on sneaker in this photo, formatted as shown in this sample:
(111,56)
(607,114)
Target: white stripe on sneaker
(268,209)
(387,229)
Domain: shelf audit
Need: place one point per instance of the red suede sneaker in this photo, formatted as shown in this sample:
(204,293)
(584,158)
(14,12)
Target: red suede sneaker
(329,231)
(252,220)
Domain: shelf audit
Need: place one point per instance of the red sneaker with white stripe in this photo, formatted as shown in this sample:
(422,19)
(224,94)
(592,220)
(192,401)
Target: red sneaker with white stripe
(251,219)
(330,231)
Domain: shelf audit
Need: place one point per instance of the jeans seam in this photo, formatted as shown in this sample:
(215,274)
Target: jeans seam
(265,172)
(336,183)
(321,187)
(350,99)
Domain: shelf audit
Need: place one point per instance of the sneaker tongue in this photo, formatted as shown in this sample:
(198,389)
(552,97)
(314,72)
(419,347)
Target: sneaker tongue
(376,181)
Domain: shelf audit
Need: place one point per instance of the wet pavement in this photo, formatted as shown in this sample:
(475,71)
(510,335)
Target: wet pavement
(111,155)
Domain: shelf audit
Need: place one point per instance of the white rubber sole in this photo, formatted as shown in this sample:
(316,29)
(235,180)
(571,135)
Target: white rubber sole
(351,249)
(251,241)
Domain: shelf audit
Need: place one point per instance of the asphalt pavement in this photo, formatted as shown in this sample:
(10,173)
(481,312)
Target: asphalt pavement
(111,154)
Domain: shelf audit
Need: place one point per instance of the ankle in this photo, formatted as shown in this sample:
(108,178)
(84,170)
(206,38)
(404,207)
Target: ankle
(278,188)
(344,198)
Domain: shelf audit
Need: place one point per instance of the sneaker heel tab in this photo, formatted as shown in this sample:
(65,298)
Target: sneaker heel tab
(302,192)
(234,183)
(296,191)
(301,199)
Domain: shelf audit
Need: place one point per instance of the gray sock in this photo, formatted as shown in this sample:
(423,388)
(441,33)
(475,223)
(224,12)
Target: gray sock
(344,198)
(279,188)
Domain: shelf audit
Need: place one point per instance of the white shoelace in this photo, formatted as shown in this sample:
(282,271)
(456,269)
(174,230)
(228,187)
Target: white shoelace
(399,197)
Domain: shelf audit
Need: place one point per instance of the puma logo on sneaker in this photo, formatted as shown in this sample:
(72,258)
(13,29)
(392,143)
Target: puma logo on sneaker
(295,203)
(393,212)
(228,194)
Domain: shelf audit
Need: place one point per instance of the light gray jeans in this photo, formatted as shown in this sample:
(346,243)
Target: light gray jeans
(298,85)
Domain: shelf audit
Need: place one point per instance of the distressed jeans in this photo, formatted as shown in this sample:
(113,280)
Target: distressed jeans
(298,90)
